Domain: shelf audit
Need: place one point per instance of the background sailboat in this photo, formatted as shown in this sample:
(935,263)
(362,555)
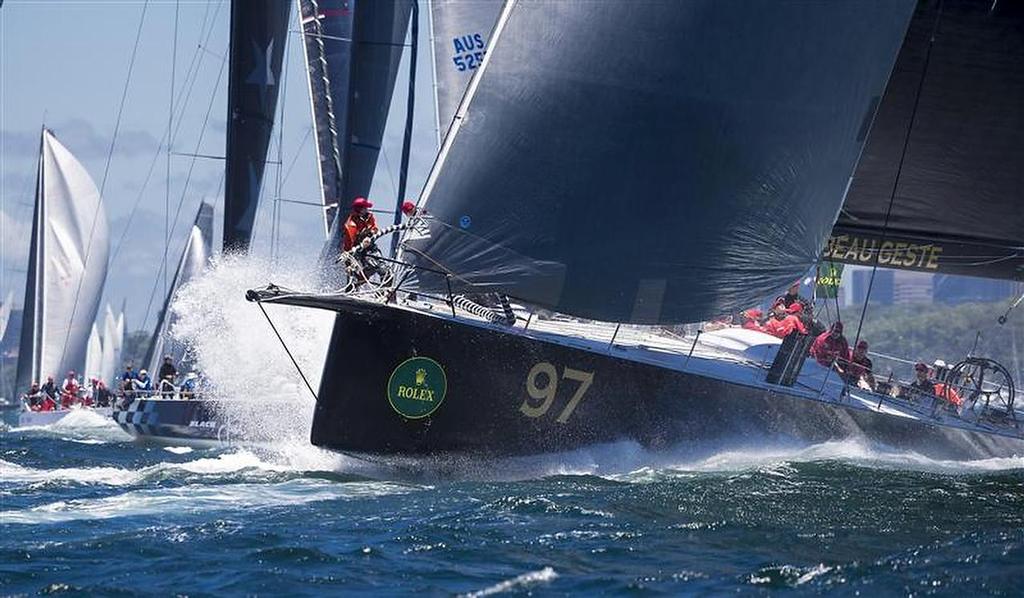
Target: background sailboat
(67,266)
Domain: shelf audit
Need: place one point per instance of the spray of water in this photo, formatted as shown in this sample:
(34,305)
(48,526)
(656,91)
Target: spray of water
(243,366)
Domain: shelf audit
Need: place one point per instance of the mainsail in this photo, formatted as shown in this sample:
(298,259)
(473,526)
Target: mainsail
(941,183)
(258,33)
(5,313)
(194,258)
(67,266)
(659,165)
(460,30)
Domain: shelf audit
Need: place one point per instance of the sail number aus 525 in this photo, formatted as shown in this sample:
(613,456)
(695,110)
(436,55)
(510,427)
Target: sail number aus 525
(542,386)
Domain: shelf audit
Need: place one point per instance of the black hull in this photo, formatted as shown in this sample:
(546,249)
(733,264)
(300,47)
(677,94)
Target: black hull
(171,421)
(486,409)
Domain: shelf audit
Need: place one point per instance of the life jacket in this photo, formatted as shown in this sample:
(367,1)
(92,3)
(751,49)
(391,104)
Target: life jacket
(948,393)
(784,327)
(355,227)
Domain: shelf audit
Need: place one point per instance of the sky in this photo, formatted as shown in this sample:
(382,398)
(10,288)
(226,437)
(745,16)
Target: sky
(65,64)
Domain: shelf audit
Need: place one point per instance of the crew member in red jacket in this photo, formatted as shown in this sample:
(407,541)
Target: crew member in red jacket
(359,225)
(830,347)
(786,321)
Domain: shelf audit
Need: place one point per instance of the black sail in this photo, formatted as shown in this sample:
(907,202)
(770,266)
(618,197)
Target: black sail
(380,29)
(327,42)
(953,113)
(658,165)
(258,34)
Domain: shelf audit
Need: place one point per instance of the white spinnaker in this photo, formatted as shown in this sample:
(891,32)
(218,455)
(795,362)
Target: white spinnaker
(113,338)
(460,31)
(193,260)
(93,355)
(5,312)
(75,246)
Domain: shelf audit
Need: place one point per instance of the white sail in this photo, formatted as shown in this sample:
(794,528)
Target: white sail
(193,259)
(5,313)
(67,268)
(93,355)
(460,30)
(113,339)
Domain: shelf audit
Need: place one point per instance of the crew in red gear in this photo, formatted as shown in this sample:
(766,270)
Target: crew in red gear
(786,321)
(830,347)
(359,224)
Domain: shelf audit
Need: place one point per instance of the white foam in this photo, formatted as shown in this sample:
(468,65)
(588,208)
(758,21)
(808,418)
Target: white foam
(227,463)
(246,371)
(545,575)
(195,499)
(81,425)
(178,450)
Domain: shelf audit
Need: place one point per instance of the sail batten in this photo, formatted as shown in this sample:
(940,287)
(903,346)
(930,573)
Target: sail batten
(690,176)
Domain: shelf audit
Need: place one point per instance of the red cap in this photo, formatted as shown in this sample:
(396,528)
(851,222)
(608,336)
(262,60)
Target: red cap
(795,308)
(361,202)
(408,208)
(753,314)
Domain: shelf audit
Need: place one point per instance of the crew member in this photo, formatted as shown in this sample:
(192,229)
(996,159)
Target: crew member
(143,383)
(860,367)
(69,390)
(34,397)
(102,395)
(167,370)
(127,378)
(752,319)
(359,225)
(922,385)
(830,347)
(793,296)
(786,321)
(50,389)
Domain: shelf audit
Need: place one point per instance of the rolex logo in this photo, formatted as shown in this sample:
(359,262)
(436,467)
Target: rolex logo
(421,377)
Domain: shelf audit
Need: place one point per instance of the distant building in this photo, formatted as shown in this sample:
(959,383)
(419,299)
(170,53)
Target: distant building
(963,289)
(912,287)
(853,290)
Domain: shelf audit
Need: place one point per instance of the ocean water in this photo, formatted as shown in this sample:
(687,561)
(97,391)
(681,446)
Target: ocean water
(85,511)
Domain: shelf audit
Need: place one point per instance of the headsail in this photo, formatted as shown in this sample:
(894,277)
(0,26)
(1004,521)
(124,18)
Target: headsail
(93,356)
(113,340)
(67,266)
(194,258)
(259,30)
(460,32)
(327,43)
(689,176)
(955,106)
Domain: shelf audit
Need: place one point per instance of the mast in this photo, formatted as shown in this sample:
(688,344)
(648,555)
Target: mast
(403,172)
(259,31)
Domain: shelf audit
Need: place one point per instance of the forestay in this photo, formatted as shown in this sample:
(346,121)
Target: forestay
(947,147)
(67,266)
(659,165)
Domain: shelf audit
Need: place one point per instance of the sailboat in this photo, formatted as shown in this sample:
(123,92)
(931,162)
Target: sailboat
(658,167)
(66,272)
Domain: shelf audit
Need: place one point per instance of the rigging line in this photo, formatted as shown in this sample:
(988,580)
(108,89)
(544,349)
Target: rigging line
(298,153)
(192,77)
(286,350)
(275,217)
(899,167)
(403,173)
(332,121)
(170,122)
(106,172)
(188,178)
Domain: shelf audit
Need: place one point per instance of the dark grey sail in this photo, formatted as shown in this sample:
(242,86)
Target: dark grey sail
(327,42)
(658,165)
(194,257)
(460,30)
(947,147)
(258,33)
(380,29)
